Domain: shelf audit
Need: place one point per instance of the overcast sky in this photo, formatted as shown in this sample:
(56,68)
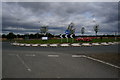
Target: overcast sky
(28,17)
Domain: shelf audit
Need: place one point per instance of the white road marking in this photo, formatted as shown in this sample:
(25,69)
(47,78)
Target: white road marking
(77,55)
(32,55)
(53,55)
(102,62)
(96,60)
(23,63)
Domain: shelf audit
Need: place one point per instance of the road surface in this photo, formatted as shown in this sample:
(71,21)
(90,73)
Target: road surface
(58,62)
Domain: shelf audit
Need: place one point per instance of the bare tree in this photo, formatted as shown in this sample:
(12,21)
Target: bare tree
(96,29)
(71,28)
(44,29)
(82,30)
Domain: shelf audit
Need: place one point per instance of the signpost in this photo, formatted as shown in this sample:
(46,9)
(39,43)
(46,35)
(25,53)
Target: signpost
(44,38)
(61,37)
(71,36)
(67,32)
(66,37)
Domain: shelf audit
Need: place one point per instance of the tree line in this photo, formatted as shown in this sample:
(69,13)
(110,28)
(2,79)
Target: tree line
(11,35)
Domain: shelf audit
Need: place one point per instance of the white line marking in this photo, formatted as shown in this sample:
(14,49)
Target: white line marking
(24,63)
(77,55)
(31,55)
(53,55)
(102,62)
(96,60)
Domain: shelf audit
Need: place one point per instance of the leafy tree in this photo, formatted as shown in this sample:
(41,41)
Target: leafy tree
(26,36)
(4,36)
(11,35)
(49,35)
(37,35)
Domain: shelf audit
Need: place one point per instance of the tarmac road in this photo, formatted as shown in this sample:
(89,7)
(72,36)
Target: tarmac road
(58,62)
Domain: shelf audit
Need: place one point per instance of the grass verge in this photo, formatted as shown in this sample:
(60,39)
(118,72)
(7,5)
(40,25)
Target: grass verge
(51,41)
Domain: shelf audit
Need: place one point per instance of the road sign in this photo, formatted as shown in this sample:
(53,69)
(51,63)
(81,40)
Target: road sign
(66,36)
(67,32)
(71,35)
(61,36)
(44,38)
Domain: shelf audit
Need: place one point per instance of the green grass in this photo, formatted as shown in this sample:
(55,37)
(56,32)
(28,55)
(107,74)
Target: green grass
(50,41)
(105,40)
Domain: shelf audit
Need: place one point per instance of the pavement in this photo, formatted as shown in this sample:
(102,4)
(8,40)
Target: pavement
(56,62)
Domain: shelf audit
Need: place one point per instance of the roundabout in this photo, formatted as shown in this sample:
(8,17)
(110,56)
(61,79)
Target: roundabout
(64,44)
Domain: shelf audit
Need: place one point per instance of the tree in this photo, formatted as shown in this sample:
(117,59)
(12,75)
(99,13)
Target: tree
(71,25)
(26,36)
(11,35)
(37,35)
(96,29)
(4,36)
(82,30)
(44,29)
(71,28)
(50,35)
(73,31)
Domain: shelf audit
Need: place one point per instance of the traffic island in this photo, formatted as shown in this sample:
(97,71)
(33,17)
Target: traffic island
(64,44)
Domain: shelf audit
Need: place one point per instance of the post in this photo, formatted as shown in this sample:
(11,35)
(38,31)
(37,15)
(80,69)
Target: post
(67,39)
(61,37)
(72,40)
(115,36)
(61,40)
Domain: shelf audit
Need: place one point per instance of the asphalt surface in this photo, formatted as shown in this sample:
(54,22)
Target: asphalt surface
(57,62)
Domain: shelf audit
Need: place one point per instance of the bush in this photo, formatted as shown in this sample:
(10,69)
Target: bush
(84,39)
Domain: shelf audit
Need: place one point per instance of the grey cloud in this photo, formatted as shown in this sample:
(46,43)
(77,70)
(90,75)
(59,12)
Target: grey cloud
(59,14)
